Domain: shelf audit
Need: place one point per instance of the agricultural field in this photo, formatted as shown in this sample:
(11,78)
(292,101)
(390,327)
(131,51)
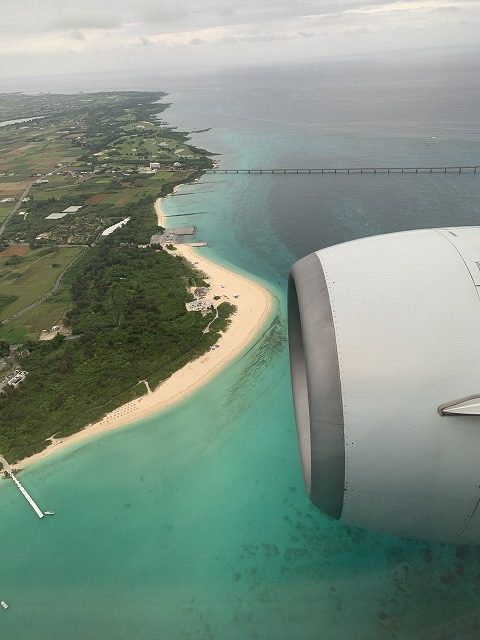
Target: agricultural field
(145,186)
(25,278)
(122,302)
(85,151)
(33,148)
(5,210)
(11,189)
(31,324)
(102,199)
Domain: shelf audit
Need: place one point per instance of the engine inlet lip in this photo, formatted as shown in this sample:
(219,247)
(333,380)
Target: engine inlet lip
(316,385)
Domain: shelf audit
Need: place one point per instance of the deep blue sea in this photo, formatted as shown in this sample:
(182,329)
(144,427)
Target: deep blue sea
(194,524)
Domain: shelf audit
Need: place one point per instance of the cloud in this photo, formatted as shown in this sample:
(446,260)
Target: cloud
(360,30)
(228,12)
(118,33)
(76,35)
(468,23)
(262,37)
(86,22)
(159,13)
(446,9)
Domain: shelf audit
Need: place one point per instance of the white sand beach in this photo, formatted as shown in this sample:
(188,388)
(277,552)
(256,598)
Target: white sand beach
(158,207)
(254,304)
(160,213)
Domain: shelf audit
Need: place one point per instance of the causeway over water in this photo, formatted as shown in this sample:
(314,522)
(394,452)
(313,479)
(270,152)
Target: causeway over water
(356,170)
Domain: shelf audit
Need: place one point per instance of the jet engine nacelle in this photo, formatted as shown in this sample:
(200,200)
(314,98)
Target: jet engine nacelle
(385,360)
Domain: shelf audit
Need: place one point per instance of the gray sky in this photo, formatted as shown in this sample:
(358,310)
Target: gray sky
(63,36)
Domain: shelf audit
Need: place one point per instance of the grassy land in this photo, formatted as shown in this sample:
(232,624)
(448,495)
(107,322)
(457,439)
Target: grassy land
(136,202)
(129,309)
(34,148)
(31,276)
(5,210)
(73,131)
(30,325)
(157,147)
(125,304)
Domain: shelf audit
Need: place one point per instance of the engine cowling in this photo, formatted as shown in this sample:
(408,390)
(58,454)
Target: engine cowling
(384,337)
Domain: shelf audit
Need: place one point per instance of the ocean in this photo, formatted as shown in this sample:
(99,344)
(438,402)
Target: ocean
(194,523)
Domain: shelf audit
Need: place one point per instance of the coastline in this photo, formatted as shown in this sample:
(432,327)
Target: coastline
(159,211)
(254,304)
(158,206)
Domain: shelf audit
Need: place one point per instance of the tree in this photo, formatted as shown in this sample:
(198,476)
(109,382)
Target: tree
(4,348)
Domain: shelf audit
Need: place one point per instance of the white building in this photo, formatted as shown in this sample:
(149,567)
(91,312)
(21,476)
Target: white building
(72,209)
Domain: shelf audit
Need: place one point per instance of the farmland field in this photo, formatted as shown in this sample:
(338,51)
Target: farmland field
(16,250)
(76,158)
(30,325)
(5,210)
(9,187)
(29,277)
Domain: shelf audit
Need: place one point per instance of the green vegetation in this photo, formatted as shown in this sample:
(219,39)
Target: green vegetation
(129,311)
(25,279)
(4,211)
(70,152)
(91,150)
(28,327)
(124,305)
(4,348)
(224,310)
(5,300)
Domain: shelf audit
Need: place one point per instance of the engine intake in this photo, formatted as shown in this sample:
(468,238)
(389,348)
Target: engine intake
(384,337)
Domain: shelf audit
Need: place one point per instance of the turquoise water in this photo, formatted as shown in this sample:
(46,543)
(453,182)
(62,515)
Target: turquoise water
(194,524)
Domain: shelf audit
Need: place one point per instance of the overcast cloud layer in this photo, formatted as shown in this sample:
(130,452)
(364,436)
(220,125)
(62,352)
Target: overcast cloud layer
(58,36)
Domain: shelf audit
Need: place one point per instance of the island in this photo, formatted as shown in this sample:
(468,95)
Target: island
(100,323)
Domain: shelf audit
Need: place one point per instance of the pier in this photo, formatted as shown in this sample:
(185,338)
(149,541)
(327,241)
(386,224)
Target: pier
(349,170)
(9,471)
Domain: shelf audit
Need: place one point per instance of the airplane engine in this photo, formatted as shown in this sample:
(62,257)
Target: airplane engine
(384,337)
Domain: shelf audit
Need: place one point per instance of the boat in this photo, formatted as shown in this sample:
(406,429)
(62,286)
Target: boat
(4,604)
(49,513)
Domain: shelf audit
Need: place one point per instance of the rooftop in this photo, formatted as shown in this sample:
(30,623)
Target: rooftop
(56,216)
(72,209)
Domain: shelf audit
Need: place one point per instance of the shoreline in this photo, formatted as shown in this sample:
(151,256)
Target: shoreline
(158,206)
(254,305)
(160,212)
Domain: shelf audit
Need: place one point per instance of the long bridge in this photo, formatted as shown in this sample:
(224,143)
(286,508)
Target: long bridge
(348,170)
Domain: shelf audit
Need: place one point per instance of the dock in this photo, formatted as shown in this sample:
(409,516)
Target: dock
(9,471)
